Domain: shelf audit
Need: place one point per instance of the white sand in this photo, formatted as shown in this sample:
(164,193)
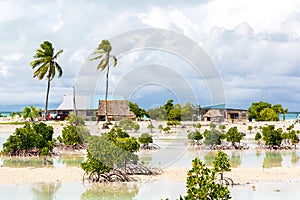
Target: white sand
(239,175)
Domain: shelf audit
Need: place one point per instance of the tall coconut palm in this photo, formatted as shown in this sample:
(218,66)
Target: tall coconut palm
(44,61)
(103,53)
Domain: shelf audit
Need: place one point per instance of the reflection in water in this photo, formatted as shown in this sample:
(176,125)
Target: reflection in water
(70,161)
(235,159)
(258,153)
(45,190)
(113,191)
(272,159)
(294,157)
(209,158)
(19,162)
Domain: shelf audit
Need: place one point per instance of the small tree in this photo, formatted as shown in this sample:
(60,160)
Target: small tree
(197,125)
(160,127)
(201,183)
(31,113)
(221,163)
(150,127)
(145,139)
(195,135)
(258,137)
(166,129)
(212,137)
(222,127)
(32,138)
(234,136)
(250,128)
(271,136)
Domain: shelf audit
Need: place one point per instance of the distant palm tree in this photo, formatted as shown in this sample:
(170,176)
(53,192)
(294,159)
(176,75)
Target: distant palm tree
(103,53)
(45,61)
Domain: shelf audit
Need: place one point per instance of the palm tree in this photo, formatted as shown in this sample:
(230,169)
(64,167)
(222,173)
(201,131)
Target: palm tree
(46,64)
(103,53)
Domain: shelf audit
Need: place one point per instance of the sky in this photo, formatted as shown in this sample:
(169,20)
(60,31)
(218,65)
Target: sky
(253,45)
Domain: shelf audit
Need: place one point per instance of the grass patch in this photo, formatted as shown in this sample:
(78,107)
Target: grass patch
(12,123)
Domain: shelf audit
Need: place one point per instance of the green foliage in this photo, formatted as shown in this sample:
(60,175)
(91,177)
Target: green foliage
(160,127)
(195,135)
(249,128)
(169,106)
(264,111)
(221,162)
(73,135)
(187,112)
(213,136)
(272,136)
(31,113)
(212,125)
(158,113)
(173,123)
(222,127)
(268,114)
(150,127)
(175,113)
(29,137)
(233,135)
(201,183)
(112,149)
(166,129)
(75,120)
(139,112)
(258,136)
(12,115)
(145,138)
(128,124)
(94,165)
(197,125)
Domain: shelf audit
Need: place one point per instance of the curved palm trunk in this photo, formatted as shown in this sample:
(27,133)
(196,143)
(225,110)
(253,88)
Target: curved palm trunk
(106,93)
(47,96)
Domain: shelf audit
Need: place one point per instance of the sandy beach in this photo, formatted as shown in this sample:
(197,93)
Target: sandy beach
(239,175)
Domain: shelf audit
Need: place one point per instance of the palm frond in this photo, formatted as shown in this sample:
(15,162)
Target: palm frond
(43,70)
(96,58)
(51,74)
(103,63)
(115,61)
(59,69)
(57,54)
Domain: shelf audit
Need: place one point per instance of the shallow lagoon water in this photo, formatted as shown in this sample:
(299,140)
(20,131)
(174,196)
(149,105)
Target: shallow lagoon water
(177,153)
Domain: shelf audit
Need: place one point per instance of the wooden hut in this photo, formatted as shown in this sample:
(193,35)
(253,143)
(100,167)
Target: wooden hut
(214,115)
(116,110)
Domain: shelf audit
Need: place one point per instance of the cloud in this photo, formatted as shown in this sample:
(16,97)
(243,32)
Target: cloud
(253,44)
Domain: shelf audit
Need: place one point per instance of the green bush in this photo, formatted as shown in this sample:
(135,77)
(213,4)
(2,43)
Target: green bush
(272,136)
(128,124)
(27,138)
(145,138)
(195,135)
(73,135)
(109,151)
(200,183)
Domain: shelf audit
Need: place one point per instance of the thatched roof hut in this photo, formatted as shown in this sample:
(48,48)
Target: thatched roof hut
(213,115)
(116,110)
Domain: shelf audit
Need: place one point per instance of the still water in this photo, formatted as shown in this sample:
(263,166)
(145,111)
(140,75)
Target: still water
(173,153)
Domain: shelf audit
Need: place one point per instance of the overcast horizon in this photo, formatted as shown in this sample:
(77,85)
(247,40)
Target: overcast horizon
(253,45)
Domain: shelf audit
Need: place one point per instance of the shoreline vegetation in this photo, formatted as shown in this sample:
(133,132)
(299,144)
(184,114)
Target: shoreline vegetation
(243,175)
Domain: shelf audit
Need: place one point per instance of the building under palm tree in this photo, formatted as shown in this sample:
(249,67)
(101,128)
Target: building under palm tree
(116,110)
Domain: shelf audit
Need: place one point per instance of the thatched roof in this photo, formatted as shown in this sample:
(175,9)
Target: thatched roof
(115,108)
(213,113)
